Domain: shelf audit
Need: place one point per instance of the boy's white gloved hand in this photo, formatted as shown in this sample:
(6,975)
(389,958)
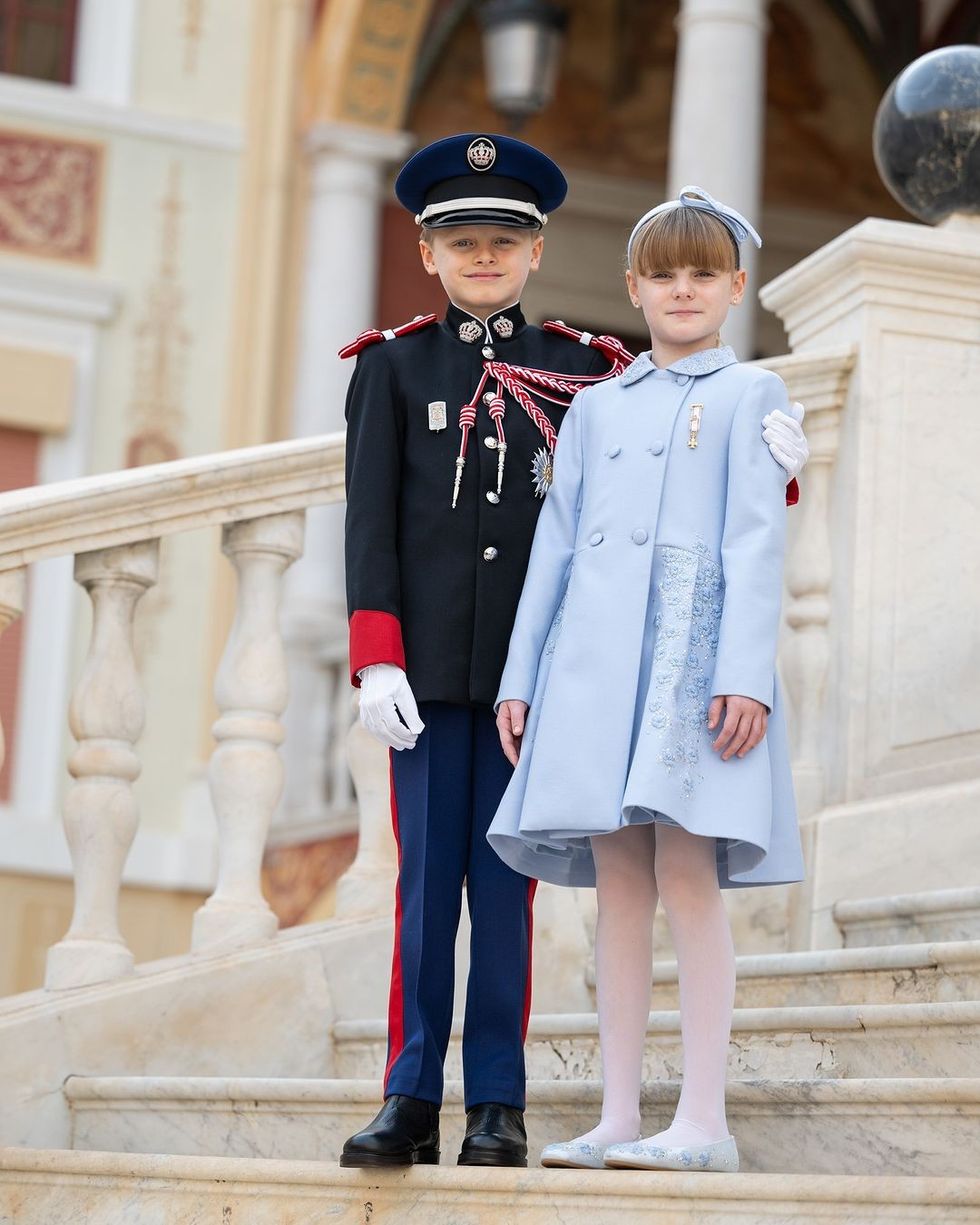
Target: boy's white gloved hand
(386,693)
(787,442)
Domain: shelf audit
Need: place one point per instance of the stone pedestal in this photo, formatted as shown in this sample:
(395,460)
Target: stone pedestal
(899,735)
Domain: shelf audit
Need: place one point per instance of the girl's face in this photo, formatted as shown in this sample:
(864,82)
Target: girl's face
(684,308)
(482,268)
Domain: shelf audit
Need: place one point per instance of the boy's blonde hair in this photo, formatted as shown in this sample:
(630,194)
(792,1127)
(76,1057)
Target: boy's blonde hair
(683,238)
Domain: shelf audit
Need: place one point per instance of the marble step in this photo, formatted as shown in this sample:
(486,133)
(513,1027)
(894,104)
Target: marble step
(918,1126)
(845,1040)
(40,1187)
(891,974)
(939,914)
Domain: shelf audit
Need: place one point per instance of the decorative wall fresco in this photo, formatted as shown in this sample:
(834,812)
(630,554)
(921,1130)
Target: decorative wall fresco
(50,192)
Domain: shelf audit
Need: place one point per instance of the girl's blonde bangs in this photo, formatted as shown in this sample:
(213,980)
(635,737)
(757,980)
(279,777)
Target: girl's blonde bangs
(683,238)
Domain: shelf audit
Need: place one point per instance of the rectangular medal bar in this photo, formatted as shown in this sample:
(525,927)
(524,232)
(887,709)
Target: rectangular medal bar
(695,425)
(437,415)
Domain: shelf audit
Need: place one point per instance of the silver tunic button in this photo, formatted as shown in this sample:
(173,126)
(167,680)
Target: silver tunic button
(490,554)
(656,448)
(488,397)
(640,536)
(488,352)
(490,442)
(492,497)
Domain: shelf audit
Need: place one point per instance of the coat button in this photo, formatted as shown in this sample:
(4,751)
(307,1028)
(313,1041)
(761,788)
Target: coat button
(490,442)
(488,397)
(595,538)
(613,452)
(490,554)
(492,498)
(640,536)
(488,352)
(656,448)
(683,380)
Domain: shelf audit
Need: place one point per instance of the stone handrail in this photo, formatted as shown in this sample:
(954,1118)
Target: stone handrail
(100,512)
(113,524)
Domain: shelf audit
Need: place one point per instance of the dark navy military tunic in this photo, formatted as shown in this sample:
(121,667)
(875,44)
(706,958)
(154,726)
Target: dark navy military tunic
(432,588)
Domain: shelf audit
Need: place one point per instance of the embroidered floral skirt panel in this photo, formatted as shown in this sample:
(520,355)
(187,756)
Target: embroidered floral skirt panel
(617,735)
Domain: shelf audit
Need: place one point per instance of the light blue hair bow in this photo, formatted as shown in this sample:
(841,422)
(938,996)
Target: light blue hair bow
(697,197)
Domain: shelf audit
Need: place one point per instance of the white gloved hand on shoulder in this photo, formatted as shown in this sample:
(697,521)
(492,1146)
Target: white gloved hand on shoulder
(787,442)
(386,694)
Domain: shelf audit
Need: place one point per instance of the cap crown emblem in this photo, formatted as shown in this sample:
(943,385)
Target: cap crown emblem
(481,154)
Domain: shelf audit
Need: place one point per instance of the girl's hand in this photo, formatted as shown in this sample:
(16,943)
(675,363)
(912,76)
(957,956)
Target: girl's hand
(744,726)
(511,717)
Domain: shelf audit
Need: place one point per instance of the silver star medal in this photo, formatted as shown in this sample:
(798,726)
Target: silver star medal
(543,471)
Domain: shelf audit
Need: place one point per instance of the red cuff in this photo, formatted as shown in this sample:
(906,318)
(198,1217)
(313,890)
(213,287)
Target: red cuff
(375,638)
(792,492)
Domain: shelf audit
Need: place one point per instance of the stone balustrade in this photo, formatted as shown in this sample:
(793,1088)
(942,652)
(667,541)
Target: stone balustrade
(113,525)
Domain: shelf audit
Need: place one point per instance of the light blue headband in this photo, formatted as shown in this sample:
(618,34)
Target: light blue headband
(697,197)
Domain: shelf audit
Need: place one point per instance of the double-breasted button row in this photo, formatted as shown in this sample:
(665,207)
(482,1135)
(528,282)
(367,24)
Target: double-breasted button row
(655,448)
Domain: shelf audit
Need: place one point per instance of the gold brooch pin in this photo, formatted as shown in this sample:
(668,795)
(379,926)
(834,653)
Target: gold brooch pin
(694,425)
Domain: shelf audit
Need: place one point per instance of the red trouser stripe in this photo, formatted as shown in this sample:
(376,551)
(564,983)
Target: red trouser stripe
(531,886)
(396,997)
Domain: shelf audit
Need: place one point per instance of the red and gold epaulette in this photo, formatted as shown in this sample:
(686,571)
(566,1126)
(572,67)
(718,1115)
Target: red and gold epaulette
(372,335)
(609,346)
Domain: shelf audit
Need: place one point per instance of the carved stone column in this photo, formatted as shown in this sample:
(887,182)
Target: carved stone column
(245,773)
(106,718)
(12,583)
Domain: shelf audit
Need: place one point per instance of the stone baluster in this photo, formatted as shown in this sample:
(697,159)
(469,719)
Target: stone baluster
(245,773)
(106,718)
(367,888)
(12,583)
(808,576)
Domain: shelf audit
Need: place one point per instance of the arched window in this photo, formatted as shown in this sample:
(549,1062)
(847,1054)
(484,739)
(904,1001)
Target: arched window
(37,38)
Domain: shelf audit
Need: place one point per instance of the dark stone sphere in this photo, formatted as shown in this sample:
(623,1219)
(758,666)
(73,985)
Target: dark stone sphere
(927,134)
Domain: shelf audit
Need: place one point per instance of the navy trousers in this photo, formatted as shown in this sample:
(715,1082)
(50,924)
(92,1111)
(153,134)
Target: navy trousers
(445,792)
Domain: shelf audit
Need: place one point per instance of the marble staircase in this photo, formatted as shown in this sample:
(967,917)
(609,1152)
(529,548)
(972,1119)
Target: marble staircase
(853,1094)
(39,1187)
(936,914)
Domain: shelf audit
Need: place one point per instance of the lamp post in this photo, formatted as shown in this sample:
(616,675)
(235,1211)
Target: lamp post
(521,49)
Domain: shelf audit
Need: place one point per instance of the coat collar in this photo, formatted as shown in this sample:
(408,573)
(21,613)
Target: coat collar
(706,361)
(501,326)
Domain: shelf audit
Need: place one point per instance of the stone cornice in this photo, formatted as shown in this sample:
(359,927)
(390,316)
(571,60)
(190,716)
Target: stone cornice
(64,105)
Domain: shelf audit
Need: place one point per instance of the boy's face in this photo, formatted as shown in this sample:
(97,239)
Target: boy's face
(483,268)
(684,308)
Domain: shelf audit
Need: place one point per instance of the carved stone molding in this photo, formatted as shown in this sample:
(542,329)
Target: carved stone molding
(49,196)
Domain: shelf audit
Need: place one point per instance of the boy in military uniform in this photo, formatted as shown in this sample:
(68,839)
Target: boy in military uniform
(451,424)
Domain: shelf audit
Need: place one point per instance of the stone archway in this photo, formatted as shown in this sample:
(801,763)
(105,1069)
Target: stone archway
(362,61)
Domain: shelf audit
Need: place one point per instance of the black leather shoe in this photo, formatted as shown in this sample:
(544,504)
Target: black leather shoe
(405,1131)
(495,1135)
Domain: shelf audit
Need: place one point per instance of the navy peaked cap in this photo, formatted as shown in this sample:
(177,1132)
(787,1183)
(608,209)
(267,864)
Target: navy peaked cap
(481,179)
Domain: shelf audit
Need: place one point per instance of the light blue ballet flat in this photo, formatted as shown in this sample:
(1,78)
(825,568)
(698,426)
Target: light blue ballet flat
(575,1155)
(719,1158)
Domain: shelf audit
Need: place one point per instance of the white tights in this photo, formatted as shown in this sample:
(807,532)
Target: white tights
(634,867)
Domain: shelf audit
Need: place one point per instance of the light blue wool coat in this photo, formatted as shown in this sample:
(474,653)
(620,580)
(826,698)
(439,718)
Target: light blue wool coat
(654,584)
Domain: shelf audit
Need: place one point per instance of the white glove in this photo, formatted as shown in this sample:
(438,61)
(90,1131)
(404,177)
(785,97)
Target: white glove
(386,694)
(786,439)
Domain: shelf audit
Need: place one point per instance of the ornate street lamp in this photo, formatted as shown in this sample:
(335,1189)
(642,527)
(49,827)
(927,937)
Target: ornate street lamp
(521,49)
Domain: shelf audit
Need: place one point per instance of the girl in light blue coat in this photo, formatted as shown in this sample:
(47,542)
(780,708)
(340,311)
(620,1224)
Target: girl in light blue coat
(639,702)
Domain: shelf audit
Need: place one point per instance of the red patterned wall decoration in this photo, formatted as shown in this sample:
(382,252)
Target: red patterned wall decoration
(50,196)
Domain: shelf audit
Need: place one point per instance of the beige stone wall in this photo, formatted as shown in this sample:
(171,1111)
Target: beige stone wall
(36,912)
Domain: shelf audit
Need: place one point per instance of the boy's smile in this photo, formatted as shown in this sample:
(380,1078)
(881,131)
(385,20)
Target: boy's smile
(483,268)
